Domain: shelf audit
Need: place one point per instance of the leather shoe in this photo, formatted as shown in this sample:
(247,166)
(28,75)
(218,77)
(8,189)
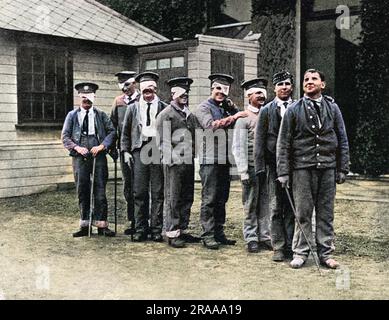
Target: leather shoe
(129,231)
(83,232)
(252,247)
(266,245)
(210,243)
(156,237)
(105,232)
(139,237)
(176,242)
(222,239)
(190,239)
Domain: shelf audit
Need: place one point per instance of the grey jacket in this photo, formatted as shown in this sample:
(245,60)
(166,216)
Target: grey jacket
(181,137)
(118,111)
(303,143)
(266,135)
(212,153)
(71,132)
(132,127)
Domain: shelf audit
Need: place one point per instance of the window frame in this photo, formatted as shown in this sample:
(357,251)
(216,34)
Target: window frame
(26,52)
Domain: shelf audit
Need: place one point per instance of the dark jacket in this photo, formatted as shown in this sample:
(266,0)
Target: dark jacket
(303,144)
(266,135)
(180,138)
(118,111)
(71,132)
(132,127)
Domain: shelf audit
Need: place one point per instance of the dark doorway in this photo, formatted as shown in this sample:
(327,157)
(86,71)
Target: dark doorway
(233,64)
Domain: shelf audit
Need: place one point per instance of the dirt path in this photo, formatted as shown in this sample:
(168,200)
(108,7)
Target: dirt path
(40,260)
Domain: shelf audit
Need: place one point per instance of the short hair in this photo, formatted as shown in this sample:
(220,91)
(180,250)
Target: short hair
(321,74)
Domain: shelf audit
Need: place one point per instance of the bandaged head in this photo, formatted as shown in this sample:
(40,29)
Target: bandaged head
(222,82)
(255,86)
(147,80)
(125,78)
(87,90)
(179,86)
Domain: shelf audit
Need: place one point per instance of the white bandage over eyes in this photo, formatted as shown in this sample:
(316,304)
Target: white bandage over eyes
(224,88)
(130,81)
(177,92)
(251,91)
(147,85)
(90,96)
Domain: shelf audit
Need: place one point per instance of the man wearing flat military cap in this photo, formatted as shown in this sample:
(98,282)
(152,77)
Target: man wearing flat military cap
(139,145)
(215,119)
(255,198)
(88,134)
(270,116)
(126,82)
(176,130)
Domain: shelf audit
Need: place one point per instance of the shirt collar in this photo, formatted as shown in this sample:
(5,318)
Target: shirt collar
(281,102)
(83,111)
(252,109)
(318,100)
(154,102)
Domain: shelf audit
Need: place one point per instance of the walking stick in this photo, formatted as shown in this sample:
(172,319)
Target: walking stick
(115,192)
(302,231)
(92,200)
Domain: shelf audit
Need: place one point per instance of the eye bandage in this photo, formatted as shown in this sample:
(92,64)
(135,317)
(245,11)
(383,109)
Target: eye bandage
(123,84)
(147,85)
(90,96)
(224,88)
(177,92)
(251,91)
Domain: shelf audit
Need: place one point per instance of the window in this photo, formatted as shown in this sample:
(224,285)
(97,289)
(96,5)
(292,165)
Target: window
(45,85)
(165,63)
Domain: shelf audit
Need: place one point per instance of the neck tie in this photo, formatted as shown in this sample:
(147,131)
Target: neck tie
(148,114)
(285,104)
(85,124)
(317,108)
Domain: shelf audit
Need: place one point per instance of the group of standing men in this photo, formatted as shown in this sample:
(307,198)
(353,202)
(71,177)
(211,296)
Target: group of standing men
(299,144)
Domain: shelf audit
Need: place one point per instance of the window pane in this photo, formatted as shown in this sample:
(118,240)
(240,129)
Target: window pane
(151,65)
(25,82)
(38,82)
(164,63)
(178,62)
(37,107)
(25,106)
(37,62)
(49,111)
(60,107)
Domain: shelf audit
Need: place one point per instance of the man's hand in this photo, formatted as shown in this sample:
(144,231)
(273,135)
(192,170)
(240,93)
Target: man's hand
(284,180)
(245,178)
(340,177)
(128,159)
(82,151)
(240,114)
(96,150)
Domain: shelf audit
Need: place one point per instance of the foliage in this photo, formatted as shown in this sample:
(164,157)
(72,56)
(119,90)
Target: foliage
(371,153)
(174,18)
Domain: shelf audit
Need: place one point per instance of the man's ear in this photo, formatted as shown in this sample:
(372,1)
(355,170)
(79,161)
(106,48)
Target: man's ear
(323,85)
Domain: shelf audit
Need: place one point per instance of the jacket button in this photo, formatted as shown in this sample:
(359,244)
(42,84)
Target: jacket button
(318,155)
(319,164)
(310,117)
(318,145)
(317,136)
(313,127)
